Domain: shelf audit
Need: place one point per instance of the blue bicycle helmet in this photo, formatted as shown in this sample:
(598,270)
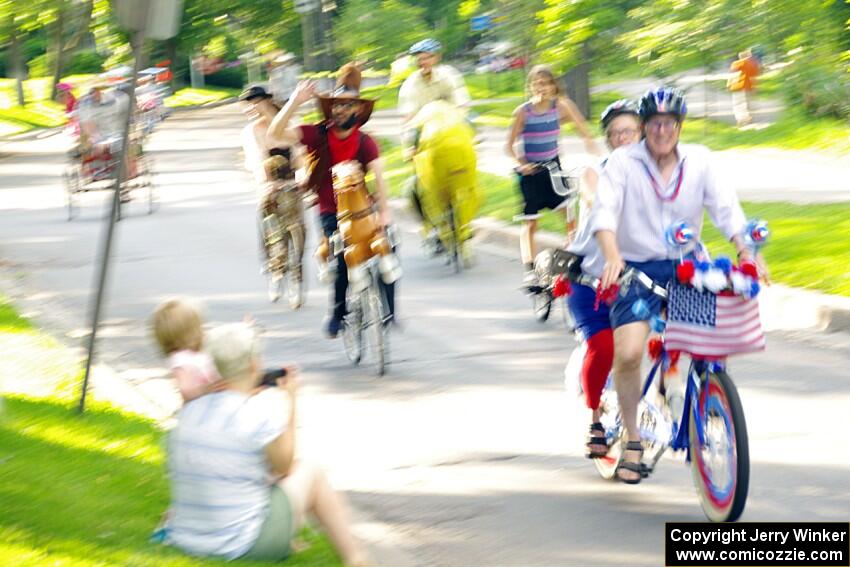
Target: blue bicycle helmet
(615,109)
(663,100)
(429,45)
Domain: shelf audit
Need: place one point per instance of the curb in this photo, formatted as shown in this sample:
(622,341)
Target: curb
(783,308)
(205,106)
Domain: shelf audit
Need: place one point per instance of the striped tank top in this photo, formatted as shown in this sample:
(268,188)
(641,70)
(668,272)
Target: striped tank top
(540,134)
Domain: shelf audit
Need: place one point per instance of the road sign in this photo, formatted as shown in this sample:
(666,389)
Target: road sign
(159,19)
(306,6)
(481,23)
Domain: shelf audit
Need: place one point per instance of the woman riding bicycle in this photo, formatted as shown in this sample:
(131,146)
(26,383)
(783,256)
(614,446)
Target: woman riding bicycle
(643,189)
(621,125)
(537,123)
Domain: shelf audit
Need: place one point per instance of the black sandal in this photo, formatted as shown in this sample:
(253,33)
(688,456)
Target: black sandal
(638,467)
(593,439)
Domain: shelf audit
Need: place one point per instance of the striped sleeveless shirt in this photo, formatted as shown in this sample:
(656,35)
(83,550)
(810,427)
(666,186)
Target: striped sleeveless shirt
(540,134)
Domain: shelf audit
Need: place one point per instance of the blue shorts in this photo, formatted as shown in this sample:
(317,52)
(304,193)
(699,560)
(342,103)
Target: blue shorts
(588,320)
(662,271)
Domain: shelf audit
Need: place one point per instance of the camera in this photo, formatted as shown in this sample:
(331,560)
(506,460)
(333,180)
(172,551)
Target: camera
(270,377)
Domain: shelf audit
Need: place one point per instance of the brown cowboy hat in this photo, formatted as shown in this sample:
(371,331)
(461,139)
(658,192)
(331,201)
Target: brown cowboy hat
(347,90)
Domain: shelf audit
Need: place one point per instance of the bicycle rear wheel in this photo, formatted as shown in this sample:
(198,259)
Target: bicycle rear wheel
(73,184)
(720,457)
(294,275)
(607,466)
(375,323)
(542,298)
(453,246)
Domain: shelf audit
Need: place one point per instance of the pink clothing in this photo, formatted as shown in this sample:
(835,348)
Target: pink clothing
(197,372)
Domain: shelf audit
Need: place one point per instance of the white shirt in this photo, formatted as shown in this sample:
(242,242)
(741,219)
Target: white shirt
(584,243)
(446,83)
(220,476)
(107,116)
(628,205)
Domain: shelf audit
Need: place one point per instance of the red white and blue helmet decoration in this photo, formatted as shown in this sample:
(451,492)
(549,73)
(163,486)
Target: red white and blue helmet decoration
(663,100)
(756,233)
(679,234)
(615,109)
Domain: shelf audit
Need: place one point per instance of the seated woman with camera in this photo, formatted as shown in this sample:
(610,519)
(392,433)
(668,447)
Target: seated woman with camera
(237,490)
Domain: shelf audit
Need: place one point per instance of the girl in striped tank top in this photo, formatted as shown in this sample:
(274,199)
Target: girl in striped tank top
(537,123)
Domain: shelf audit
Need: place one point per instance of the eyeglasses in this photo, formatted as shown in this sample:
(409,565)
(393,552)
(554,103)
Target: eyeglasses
(623,132)
(662,123)
(343,105)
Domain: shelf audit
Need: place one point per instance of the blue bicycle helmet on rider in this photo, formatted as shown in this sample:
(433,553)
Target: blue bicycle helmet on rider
(429,45)
(615,109)
(663,100)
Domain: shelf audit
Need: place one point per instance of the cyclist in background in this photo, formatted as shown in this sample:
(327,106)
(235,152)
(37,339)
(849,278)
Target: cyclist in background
(432,81)
(537,123)
(621,125)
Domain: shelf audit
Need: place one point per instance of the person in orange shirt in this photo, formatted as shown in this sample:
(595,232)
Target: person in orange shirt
(742,85)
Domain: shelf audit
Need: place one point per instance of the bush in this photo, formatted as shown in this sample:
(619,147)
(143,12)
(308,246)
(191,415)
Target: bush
(821,88)
(41,66)
(233,77)
(82,62)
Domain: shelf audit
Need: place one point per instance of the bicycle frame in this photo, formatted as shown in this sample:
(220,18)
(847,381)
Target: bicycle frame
(691,410)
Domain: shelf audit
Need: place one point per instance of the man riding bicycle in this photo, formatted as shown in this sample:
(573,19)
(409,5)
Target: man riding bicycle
(432,81)
(643,189)
(334,140)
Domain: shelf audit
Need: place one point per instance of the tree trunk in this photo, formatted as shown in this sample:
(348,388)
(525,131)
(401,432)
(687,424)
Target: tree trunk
(82,30)
(577,82)
(59,63)
(17,69)
(171,55)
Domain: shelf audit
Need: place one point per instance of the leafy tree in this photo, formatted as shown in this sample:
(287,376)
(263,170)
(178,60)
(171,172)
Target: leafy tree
(378,30)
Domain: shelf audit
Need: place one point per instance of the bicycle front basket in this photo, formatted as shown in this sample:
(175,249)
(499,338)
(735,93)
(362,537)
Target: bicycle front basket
(708,325)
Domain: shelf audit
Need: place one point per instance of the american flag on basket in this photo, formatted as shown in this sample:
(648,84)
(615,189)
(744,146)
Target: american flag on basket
(705,324)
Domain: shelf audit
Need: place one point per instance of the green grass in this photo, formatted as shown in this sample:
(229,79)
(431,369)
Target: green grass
(794,131)
(196,97)
(496,85)
(82,490)
(40,111)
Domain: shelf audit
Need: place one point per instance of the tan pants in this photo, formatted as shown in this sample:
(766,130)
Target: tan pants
(741,107)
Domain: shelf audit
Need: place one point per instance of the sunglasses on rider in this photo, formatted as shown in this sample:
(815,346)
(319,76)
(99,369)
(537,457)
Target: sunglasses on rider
(344,105)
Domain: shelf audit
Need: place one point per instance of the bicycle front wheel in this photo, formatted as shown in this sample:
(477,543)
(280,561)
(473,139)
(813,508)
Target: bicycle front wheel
(720,456)
(375,322)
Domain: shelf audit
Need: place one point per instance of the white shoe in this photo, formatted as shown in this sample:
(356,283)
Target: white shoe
(274,289)
(296,298)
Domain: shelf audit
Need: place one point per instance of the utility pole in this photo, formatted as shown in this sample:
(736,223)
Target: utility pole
(306,9)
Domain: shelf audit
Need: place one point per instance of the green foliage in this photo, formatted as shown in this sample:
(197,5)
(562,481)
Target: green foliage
(568,33)
(378,30)
(40,66)
(88,61)
(231,77)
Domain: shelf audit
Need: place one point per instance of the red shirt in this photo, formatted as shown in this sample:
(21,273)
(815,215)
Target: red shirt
(341,150)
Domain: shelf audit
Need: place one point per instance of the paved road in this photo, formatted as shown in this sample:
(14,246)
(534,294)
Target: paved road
(469,452)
